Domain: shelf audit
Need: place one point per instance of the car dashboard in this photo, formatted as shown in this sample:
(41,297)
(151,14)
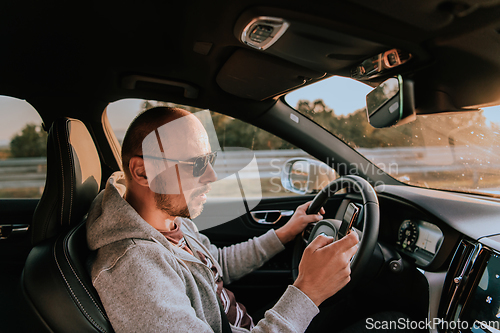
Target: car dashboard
(452,235)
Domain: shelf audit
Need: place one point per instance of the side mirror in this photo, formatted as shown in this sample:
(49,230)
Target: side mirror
(304,175)
(391,103)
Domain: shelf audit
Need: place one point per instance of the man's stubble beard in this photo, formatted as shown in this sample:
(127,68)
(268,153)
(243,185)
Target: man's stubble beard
(175,204)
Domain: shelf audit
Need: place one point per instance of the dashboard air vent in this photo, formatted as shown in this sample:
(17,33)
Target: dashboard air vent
(458,273)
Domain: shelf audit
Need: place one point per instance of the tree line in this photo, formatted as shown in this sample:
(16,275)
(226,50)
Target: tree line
(464,128)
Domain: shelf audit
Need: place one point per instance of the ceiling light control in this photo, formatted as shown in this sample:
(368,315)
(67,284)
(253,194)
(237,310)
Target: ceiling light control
(260,33)
(263,31)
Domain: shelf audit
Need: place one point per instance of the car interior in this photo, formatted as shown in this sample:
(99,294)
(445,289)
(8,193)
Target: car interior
(429,253)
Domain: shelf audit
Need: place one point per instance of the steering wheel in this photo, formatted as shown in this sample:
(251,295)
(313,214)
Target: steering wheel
(371,218)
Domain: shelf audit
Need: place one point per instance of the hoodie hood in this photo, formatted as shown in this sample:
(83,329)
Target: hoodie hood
(112,219)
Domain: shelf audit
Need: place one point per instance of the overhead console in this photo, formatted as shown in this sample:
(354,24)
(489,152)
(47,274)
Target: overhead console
(354,46)
(282,49)
(304,40)
(263,31)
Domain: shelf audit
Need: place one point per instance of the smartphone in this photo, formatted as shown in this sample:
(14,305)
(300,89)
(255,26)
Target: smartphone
(350,216)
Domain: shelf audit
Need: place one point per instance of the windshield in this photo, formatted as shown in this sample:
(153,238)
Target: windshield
(453,151)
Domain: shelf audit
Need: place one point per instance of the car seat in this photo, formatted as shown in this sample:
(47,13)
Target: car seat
(56,282)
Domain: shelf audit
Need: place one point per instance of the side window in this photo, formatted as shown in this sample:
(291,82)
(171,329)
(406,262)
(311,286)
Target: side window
(23,150)
(236,139)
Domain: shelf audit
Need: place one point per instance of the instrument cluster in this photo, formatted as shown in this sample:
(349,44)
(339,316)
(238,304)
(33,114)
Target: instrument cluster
(420,240)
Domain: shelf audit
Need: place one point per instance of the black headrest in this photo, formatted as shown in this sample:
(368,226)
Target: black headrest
(73,179)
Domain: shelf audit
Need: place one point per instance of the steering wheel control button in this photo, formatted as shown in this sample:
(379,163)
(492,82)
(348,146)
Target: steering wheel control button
(396,266)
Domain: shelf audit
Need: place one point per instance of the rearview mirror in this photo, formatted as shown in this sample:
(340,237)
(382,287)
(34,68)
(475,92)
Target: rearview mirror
(304,175)
(391,103)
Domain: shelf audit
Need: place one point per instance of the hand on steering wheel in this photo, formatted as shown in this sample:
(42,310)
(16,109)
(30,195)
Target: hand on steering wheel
(331,228)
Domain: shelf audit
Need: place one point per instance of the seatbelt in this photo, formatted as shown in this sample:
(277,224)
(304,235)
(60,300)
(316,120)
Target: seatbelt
(226,328)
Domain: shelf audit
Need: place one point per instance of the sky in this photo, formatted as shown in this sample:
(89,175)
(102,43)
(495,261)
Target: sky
(16,114)
(343,95)
(121,113)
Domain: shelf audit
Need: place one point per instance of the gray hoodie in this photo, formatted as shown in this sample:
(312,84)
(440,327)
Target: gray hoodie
(148,285)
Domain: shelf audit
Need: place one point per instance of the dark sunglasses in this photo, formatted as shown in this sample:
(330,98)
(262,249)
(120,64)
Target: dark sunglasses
(199,163)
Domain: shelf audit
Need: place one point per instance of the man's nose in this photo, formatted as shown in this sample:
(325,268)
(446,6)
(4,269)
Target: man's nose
(209,176)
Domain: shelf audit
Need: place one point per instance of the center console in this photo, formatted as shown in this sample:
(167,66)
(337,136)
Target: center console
(471,297)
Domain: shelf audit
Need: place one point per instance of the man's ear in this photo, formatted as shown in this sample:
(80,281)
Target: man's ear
(138,171)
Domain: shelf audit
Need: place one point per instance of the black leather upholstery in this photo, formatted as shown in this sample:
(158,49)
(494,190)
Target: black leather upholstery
(56,282)
(73,179)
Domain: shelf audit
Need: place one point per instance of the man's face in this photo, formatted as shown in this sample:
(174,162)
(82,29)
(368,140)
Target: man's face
(178,191)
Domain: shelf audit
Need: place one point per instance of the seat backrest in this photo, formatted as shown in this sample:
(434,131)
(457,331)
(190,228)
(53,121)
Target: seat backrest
(56,281)
(73,179)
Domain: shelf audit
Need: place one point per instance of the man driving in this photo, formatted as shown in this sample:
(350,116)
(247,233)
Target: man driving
(155,272)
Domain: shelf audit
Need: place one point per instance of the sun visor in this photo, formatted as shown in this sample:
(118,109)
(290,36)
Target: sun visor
(257,76)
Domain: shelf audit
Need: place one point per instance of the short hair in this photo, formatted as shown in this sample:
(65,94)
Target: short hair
(146,122)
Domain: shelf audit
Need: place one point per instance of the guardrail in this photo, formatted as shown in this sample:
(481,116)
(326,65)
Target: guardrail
(399,161)
(23,172)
